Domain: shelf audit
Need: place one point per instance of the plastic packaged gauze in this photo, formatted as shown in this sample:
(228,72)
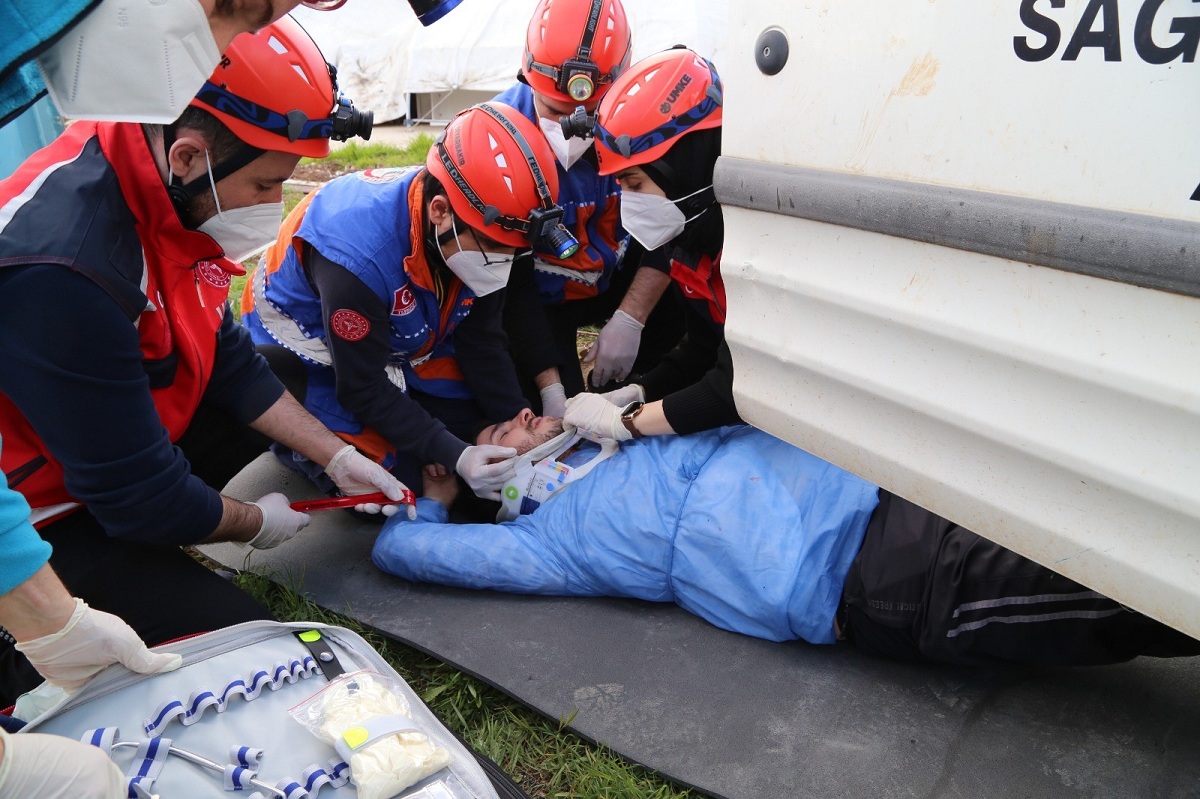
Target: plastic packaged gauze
(368,721)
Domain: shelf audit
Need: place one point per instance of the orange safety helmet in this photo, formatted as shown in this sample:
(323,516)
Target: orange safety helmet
(274,91)
(575,49)
(659,99)
(500,176)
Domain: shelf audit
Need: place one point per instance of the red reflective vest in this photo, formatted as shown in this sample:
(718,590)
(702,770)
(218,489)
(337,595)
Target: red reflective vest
(173,288)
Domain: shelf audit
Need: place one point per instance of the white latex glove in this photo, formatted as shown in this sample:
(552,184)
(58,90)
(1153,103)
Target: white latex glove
(90,641)
(554,400)
(625,395)
(54,767)
(354,473)
(616,349)
(485,478)
(279,523)
(593,414)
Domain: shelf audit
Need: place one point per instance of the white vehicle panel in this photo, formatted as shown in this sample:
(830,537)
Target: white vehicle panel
(973,276)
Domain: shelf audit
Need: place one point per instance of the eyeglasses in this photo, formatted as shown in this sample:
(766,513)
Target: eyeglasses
(323,5)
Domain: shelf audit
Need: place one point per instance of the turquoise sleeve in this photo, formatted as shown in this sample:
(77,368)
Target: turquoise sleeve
(22,550)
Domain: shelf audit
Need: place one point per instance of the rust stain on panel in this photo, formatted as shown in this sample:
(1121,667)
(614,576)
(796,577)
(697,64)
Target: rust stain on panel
(920,78)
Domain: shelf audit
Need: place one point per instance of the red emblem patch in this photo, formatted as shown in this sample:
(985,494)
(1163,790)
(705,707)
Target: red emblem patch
(349,325)
(213,275)
(403,302)
(382,174)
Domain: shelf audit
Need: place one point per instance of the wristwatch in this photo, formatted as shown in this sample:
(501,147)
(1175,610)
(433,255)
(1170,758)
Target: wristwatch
(629,413)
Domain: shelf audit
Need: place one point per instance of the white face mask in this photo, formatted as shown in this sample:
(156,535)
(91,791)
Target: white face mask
(653,220)
(567,151)
(483,272)
(131,61)
(242,232)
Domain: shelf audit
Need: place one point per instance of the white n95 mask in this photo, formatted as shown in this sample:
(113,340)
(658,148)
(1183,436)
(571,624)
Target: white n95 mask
(131,61)
(242,232)
(654,220)
(245,232)
(567,151)
(483,272)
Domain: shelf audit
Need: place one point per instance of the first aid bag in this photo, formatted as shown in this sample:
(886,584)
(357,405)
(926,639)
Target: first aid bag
(268,709)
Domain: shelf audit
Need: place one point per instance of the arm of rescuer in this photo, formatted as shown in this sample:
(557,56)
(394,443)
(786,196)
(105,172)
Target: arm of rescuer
(65,640)
(703,404)
(616,348)
(363,387)
(650,281)
(481,349)
(528,330)
(74,370)
(81,384)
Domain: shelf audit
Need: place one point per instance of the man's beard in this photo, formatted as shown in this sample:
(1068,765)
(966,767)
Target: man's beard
(538,439)
(199,210)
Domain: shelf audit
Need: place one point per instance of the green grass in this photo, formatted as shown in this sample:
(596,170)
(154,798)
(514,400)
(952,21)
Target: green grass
(542,756)
(354,156)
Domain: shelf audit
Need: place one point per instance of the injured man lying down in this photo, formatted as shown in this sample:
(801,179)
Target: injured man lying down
(761,538)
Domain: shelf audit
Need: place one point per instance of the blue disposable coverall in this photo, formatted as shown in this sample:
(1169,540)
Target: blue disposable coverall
(734,525)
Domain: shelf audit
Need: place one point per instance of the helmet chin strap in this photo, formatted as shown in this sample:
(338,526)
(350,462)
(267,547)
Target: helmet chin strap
(182,194)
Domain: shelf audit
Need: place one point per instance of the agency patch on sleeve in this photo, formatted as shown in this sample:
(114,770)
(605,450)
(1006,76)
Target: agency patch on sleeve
(349,325)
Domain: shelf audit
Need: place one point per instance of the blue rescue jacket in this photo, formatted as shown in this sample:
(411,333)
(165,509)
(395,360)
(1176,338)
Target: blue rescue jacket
(364,223)
(591,211)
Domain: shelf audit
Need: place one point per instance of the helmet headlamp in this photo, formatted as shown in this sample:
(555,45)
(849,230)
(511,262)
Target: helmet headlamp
(580,79)
(543,226)
(547,231)
(579,124)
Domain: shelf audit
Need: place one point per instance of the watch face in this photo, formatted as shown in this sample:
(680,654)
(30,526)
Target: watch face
(630,409)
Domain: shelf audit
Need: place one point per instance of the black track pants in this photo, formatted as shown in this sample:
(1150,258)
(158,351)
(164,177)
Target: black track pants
(923,588)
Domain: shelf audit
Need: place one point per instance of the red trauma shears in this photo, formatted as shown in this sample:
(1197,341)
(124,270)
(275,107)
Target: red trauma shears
(333,503)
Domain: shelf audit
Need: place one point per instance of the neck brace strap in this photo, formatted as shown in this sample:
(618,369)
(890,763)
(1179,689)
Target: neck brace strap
(541,474)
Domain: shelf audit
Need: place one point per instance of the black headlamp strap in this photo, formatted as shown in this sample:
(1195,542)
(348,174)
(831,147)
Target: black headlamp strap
(240,158)
(490,213)
(584,52)
(539,178)
(463,185)
(182,193)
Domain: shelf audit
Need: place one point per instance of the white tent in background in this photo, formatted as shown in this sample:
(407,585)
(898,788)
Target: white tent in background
(388,63)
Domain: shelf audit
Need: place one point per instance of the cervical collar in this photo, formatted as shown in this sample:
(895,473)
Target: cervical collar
(541,475)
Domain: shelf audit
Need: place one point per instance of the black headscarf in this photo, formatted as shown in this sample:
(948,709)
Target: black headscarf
(687,168)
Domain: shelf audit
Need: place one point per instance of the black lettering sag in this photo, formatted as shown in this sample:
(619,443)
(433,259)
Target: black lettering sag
(1038,24)
(1108,37)
(1188,29)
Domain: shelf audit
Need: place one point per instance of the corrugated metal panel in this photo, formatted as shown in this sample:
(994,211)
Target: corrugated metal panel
(918,298)
(1055,413)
